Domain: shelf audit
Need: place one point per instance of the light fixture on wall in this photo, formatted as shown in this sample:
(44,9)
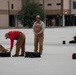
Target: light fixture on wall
(66,12)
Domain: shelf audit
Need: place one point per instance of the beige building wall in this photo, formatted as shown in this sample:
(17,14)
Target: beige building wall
(66,6)
(51,7)
(3,20)
(17,4)
(54,8)
(4,6)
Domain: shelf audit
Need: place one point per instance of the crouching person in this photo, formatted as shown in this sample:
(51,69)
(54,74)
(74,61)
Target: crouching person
(20,37)
(38,29)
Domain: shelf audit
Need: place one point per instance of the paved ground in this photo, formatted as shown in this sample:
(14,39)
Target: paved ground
(56,58)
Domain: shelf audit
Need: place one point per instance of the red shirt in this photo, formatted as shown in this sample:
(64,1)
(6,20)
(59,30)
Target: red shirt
(13,35)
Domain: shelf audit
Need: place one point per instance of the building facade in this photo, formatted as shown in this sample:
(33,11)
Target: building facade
(8,12)
(58,12)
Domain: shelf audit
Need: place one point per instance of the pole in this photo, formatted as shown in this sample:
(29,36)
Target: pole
(63,20)
(43,4)
(63,15)
(8,11)
(44,11)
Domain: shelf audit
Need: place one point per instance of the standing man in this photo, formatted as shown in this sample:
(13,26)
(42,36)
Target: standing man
(38,29)
(20,37)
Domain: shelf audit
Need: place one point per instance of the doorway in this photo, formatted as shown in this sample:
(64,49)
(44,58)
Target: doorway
(12,21)
(52,20)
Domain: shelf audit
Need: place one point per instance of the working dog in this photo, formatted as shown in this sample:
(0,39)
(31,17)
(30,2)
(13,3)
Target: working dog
(2,49)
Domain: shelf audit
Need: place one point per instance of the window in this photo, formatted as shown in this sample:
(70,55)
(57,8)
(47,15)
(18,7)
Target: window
(49,4)
(41,4)
(12,6)
(58,4)
(74,5)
